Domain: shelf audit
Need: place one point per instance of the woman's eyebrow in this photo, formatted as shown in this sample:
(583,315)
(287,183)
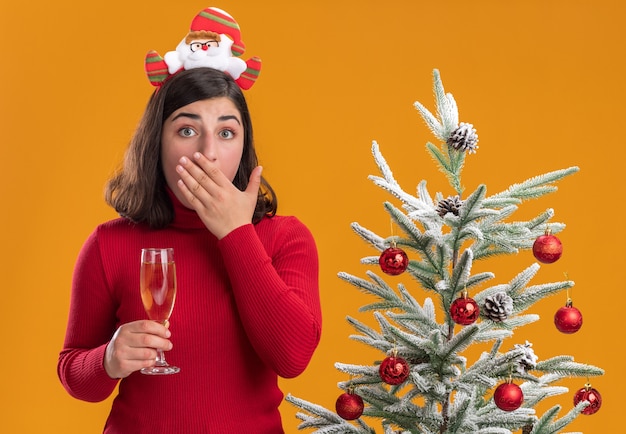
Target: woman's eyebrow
(186,115)
(197,117)
(227,117)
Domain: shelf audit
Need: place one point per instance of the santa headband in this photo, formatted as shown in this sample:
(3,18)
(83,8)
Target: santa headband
(214,41)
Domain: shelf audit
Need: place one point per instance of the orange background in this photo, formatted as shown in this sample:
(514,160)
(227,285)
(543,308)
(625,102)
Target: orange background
(542,81)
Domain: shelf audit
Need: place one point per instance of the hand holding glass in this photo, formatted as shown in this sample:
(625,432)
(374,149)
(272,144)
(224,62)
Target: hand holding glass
(158,293)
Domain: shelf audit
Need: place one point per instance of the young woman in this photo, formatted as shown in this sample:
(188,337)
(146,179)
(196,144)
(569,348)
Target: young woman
(247,307)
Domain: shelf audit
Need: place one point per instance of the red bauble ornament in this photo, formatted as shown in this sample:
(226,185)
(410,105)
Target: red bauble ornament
(568,319)
(349,406)
(547,248)
(394,370)
(508,396)
(464,310)
(590,394)
(393,261)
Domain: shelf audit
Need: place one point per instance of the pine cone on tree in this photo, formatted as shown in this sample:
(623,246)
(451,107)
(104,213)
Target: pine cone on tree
(528,361)
(464,138)
(498,307)
(452,204)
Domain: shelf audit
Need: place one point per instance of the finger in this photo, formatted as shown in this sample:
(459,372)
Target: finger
(121,362)
(192,190)
(144,334)
(203,180)
(146,326)
(194,178)
(146,340)
(211,170)
(254,183)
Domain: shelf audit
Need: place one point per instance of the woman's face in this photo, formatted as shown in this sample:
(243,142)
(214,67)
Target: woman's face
(212,127)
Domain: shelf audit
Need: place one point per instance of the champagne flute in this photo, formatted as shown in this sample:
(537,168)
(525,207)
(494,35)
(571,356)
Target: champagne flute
(158,292)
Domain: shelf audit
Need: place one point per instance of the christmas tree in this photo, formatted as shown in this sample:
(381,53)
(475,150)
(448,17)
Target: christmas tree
(424,383)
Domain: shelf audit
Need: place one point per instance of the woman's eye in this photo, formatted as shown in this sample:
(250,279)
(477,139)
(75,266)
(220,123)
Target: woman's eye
(226,134)
(187,132)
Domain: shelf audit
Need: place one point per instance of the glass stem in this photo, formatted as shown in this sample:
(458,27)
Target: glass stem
(160,359)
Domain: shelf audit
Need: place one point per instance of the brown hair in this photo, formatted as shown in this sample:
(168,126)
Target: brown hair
(202,34)
(138,190)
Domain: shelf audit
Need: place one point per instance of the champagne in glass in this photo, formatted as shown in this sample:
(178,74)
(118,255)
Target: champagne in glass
(158,293)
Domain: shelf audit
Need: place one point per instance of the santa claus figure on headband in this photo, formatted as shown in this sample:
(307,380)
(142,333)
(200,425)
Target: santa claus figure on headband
(214,41)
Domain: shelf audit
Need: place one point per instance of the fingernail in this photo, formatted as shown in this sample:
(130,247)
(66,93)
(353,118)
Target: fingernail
(183,160)
(197,155)
(179,169)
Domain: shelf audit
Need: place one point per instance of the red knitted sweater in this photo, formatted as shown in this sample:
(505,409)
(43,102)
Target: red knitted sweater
(247,310)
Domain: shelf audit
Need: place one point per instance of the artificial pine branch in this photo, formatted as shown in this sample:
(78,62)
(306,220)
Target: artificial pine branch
(536,186)
(564,366)
(547,425)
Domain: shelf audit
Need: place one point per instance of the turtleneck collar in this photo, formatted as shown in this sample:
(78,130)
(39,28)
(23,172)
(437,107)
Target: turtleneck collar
(184,217)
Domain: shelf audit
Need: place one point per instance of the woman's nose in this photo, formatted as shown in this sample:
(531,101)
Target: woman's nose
(209,149)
